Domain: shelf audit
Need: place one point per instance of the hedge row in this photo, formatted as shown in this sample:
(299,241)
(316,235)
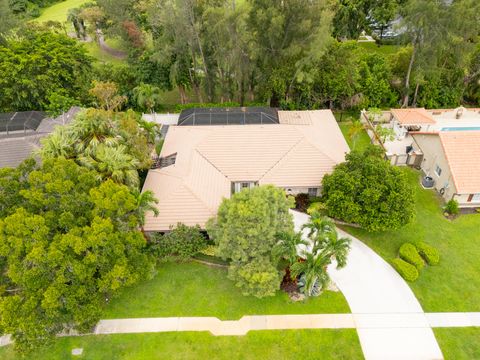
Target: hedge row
(412,259)
(429,253)
(409,253)
(406,270)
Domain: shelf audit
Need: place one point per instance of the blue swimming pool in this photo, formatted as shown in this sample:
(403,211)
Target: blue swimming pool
(461,128)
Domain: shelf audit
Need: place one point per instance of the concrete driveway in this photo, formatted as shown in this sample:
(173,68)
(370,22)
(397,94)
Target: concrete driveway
(390,322)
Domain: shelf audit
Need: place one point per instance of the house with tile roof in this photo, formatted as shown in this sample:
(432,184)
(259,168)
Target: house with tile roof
(211,154)
(452,159)
(21,132)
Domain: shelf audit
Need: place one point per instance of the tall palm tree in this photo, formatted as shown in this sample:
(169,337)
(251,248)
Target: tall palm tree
(146,201)
(113,163)
(354,132)
(313,271)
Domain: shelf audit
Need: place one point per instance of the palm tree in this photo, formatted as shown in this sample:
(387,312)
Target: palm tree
(145,202)
(147,96)
(313,271)
(354,132)
(318,227)
(337,248)
(59,143)
(151,130)
(92,128)
(287,247)
(113,163)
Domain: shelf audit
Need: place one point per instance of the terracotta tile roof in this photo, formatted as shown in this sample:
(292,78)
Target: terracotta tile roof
(210,158)
(413,116)
(462,150)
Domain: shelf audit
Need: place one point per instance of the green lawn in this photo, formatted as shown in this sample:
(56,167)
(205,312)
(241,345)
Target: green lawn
(459,343)
(275,345)
(194,289)
(59,11)
(362,141)
(454,285)
(102,56)
(380,49)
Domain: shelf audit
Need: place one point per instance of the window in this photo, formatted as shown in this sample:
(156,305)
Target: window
(312,192)
(239,186)
(474,198)
(438,170)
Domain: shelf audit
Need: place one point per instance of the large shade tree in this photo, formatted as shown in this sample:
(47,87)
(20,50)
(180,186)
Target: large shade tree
(67,245)
(366,189)
(246,231)
(37,64)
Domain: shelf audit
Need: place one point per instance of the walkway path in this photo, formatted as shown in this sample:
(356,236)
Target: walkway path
(390,322)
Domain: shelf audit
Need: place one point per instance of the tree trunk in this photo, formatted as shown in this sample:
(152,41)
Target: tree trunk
(407,78)
(414,104)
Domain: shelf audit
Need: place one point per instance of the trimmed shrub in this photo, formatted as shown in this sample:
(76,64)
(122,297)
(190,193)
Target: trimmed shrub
(302,201)
(409,253)
(452,207)
(181,243)
(429,253)
(406,270)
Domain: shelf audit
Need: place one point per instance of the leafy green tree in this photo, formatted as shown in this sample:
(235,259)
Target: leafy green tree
(283,37)
(367,190)
(37,64)
(69,244)
(246,229)
(7,20)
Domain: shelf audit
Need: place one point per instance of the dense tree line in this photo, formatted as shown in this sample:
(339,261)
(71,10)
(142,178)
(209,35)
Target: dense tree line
(291,54)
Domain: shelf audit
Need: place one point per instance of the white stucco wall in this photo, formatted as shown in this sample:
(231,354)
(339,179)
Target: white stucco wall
(434,155)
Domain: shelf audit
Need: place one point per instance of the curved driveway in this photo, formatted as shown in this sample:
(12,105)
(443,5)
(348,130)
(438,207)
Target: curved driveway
(390,322)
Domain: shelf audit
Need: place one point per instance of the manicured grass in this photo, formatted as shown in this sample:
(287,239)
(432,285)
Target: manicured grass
(362,141)
(459,343)
(453,285)
(59,11)
(290,344)
(194,289)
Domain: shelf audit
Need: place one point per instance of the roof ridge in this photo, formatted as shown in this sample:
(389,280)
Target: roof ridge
(207,160)
(283,157)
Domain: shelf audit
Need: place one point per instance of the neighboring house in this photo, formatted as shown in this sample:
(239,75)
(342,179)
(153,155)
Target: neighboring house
(20,133)
(452,159)
(444,143)
(213,153)
(404,122)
